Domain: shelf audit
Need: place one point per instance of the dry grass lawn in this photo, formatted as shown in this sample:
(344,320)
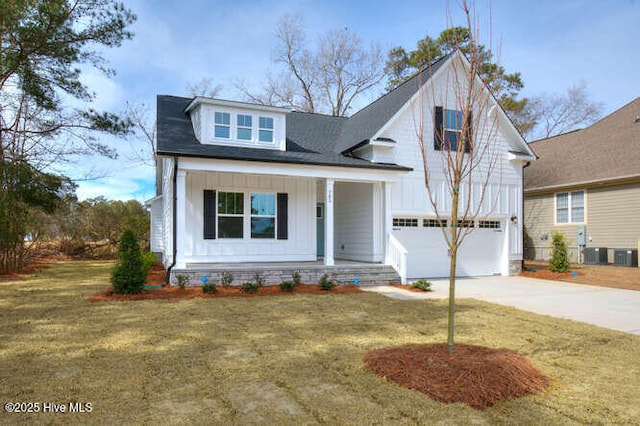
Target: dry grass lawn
(282,360)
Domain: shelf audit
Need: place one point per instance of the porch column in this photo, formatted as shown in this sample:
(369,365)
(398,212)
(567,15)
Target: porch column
(328,222)
(181,228)
(387,220)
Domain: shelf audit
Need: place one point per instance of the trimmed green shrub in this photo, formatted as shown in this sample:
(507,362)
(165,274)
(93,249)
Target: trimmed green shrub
(226,278)
(296,278)
(209,288)
(560,255)
(250,287)
(148,260)
(288,285)
(183,281)
(325,283)
(422,284)
(128,276)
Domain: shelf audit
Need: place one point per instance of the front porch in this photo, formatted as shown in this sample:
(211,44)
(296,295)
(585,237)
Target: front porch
(342,272)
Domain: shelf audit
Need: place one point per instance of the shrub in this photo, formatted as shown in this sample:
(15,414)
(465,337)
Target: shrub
(226,278)
(560,255)
(148,260)
(296,278)
(183,281)
(325,283)
(209,288)
(249,287)
(128,276)
(288,285)
(422,284)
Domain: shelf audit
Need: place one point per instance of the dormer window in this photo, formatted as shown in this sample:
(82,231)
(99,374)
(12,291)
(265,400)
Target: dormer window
(222,125)
(265,131)
(244,127)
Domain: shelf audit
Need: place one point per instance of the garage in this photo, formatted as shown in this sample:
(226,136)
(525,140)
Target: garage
(428,255)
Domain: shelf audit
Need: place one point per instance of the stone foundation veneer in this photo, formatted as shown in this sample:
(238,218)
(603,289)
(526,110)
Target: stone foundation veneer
(515,267)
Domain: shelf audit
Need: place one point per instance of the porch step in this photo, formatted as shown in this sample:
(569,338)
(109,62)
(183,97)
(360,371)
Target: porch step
(365,274)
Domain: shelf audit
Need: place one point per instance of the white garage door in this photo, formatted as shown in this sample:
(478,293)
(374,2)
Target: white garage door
(428,256)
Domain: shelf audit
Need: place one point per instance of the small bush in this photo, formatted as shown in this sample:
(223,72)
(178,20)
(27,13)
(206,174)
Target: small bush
(259,279)
(226,278)
(209,288)
(183,281)
(250,287)
(325,283)
(148,260)
(288,285)
(560,255)
(128,276)
(422,284)
(296,278)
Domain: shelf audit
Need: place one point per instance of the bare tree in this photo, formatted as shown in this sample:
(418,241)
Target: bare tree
(204,87)
(556,114)
(327,79)
(461,163)
(144,132)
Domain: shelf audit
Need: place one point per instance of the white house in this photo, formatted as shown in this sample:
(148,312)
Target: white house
(249,184)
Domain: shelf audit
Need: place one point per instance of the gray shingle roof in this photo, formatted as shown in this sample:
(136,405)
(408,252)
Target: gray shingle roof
(311,139)
(608,150)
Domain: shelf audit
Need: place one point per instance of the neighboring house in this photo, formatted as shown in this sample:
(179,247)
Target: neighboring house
(586,180)
(244,183)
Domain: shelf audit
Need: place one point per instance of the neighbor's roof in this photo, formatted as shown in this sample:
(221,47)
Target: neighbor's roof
(608,150)
(311,140)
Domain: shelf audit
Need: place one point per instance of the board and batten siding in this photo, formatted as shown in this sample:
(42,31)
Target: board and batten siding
(354,222)
(301,242)
(503,197)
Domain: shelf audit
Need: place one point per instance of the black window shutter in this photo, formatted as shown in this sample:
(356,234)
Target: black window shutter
(438,135)
(283,216)
(209,214)
(467,146)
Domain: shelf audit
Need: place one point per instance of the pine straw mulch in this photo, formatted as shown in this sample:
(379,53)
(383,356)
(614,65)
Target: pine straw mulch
(157,275)
(474,375)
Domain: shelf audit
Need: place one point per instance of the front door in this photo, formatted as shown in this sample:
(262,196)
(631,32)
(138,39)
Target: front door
(320,229)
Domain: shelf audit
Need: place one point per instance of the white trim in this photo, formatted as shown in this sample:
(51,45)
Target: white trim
(294,170)
(201,100)
(181,210)
(328,222)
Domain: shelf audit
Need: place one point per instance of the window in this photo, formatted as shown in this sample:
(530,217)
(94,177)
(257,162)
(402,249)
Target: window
(405,222)
(222,127)
(448,129)
(230,214)
(265,130)
(263,215)
(244,127)
(434,223)
(570,207)
(489,224)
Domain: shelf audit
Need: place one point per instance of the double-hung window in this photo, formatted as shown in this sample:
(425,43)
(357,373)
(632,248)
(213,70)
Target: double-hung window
(263,215)
(222,127)
(265,129)
(244,127)
(448,130)
(230,214)
(570,207)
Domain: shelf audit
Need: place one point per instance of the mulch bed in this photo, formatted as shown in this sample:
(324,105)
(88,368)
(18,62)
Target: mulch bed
(474,375)
(409,288)
(157,275)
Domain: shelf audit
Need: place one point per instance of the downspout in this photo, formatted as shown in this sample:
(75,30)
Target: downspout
(174,215)
(527,164)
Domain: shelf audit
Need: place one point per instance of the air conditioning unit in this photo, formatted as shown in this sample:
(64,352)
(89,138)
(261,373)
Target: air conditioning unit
(596,256)
(625,257)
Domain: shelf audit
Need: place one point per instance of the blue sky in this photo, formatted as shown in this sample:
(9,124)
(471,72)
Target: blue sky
(554,44)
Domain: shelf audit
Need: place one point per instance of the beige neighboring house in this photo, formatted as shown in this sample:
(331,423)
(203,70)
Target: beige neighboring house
(586,178)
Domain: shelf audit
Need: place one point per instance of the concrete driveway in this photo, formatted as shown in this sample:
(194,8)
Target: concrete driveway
(606,307)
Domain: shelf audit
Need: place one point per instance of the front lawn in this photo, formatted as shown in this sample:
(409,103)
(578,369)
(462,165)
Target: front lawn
(294,359)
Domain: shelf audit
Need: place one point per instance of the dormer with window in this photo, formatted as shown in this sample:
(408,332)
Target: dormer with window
(230,123)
